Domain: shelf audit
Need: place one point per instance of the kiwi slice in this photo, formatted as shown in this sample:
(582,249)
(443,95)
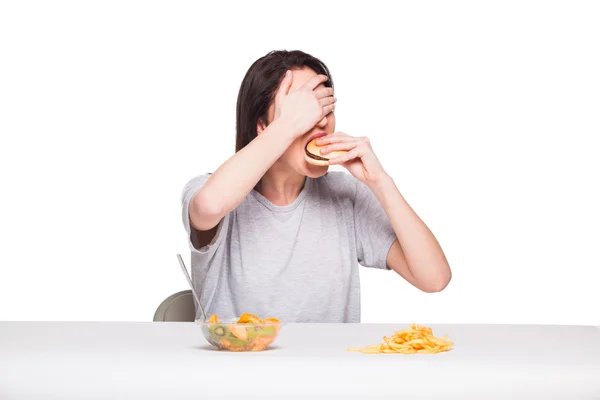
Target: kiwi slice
(237,342)
(266,331)
(218,332)
(253,333)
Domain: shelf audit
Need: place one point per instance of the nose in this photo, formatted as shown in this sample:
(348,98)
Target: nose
(322,123)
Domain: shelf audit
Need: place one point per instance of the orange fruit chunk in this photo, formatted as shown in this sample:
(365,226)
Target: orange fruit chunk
(249,319)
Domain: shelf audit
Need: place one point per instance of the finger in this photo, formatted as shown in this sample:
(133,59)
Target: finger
(284,88)
(315,81)
(351,155)
(334,138)
(342,146)
(323,92)
(329,109)
(327,101)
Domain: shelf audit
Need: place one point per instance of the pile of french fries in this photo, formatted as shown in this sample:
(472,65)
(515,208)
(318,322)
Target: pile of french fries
(414,340)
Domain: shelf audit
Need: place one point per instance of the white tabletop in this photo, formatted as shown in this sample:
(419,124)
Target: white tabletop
(94,360)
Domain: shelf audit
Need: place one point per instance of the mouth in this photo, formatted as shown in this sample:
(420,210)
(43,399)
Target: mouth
(316,136)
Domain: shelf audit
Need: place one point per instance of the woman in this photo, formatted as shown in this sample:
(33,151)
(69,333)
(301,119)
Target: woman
(275,236)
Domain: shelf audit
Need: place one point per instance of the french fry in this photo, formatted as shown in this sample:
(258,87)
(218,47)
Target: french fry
(414,340)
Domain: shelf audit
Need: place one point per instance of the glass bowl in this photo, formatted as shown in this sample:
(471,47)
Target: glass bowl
(233,336)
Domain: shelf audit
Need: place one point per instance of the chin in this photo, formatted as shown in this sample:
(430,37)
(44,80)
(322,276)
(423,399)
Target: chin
(315,171)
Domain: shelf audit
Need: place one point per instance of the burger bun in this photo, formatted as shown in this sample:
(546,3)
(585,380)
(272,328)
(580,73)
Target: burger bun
(312,148)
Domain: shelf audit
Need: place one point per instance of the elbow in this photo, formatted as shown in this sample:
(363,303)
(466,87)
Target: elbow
(437,283)
(205,211)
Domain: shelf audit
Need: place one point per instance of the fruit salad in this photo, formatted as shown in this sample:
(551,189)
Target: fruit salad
(248,333)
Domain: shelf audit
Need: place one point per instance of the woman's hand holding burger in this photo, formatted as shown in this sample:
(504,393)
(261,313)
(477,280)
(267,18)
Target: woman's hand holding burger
(353,153)
(303,108)
(416,255)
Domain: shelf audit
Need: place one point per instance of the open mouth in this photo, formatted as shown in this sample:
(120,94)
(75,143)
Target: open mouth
(316,136)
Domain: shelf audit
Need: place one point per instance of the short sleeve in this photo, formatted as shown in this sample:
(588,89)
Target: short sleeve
(374,232)
(187,194)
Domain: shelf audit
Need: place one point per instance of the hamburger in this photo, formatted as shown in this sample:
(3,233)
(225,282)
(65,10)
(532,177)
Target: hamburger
(312,153)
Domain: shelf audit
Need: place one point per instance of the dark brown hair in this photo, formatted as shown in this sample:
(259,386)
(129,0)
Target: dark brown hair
(259,87)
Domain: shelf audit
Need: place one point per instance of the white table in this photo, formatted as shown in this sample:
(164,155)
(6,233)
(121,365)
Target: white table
(103,360)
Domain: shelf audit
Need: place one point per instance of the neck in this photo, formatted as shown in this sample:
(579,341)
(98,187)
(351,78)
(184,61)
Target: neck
(281,187)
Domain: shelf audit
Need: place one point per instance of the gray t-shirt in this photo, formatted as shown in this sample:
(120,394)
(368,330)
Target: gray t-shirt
(297,263)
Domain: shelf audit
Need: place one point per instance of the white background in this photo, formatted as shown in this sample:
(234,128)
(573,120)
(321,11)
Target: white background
(486,114)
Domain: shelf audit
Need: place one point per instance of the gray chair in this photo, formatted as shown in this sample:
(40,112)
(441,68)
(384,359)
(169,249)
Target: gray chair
(178,307)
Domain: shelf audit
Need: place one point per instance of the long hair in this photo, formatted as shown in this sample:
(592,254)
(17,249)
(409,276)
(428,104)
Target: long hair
(259,87)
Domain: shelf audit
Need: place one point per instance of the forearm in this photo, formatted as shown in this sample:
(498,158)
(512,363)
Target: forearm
(231,182)
(424,256)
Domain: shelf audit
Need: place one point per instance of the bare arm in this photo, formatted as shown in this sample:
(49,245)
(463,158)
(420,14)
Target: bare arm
(416,255)
(295,114)
(231,183)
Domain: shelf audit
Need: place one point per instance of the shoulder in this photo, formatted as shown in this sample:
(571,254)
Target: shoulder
(198,180)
